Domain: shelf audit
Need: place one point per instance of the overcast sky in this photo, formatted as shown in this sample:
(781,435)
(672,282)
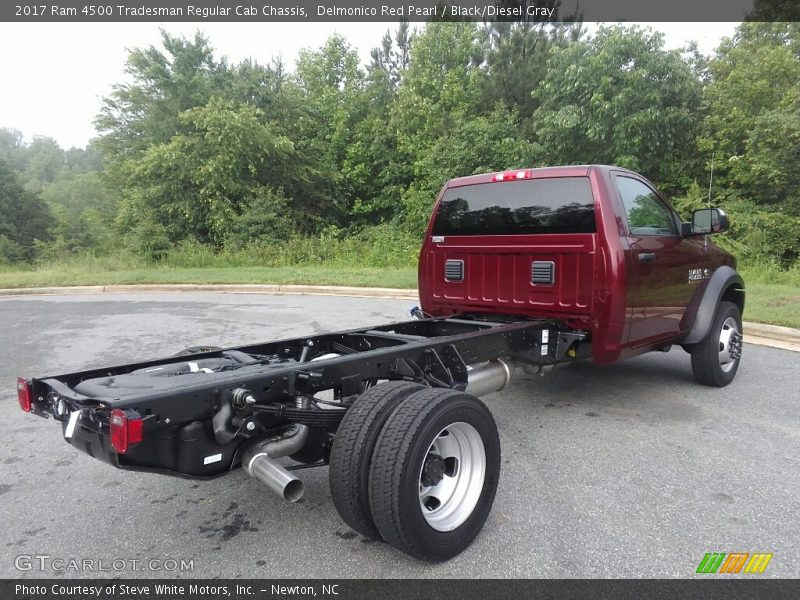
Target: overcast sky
(53,75)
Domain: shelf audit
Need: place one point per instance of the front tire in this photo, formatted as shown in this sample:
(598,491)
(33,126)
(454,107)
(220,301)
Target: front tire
(715,359)
(434,473)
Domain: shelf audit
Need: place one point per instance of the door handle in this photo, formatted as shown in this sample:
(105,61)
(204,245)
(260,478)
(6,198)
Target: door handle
(646,256)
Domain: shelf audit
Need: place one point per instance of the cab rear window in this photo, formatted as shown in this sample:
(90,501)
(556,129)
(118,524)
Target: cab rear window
(528,206)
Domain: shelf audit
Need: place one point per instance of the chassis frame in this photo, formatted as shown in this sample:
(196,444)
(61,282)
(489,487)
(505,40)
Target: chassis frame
(185,425)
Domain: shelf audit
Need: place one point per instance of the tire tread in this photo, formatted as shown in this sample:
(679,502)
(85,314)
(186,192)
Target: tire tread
(392,452)
(355,438)
(705,359)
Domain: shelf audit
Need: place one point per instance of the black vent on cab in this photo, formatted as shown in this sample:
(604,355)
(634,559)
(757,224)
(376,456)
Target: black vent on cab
(454,270)
(542,272)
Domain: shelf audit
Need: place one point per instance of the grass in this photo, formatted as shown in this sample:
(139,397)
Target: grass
(773,295)
(391,277)
(773,304)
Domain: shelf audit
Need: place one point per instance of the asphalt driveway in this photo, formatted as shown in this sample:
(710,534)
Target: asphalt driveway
(631,470)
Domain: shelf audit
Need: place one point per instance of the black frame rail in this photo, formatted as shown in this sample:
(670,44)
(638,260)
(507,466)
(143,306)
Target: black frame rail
(214,415)
(432,351)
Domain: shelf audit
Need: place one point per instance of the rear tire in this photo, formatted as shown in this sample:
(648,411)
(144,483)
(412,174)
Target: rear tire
(715,359)
(434,473)
(352,451)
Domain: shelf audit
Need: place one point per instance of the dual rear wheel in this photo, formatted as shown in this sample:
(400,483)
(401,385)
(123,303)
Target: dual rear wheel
(417,467)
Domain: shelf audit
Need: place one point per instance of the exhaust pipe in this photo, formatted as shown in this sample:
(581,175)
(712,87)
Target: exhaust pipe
(258,461)
(486,378)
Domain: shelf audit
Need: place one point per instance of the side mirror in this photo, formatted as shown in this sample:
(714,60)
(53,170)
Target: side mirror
(706,221)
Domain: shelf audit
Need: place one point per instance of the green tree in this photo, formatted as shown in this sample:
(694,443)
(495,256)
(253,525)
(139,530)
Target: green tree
(370,169)
(443,74)
(24,218)
(620,98)
(277,94)
(196,184)
(84,209)
(331,80)
(79,192)
(83,160)
(12,149)
(476,145)
(440,90)
(753,123)
(516,58)
(265,218)
(163,85)
(44,162)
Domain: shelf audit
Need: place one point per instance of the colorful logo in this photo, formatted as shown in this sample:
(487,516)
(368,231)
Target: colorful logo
(734,562)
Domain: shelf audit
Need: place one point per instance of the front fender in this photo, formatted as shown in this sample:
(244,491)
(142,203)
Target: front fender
(704,303)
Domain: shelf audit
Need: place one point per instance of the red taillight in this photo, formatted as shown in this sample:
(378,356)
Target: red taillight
(512,175)
(124,431)
(24,394)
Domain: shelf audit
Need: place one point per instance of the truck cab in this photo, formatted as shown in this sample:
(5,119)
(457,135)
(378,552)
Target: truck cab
(597,247)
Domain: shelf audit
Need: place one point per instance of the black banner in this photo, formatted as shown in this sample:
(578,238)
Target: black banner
(394,10)
(409,589)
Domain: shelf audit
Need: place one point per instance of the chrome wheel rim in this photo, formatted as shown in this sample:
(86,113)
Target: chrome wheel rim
(730,344)
(451,476)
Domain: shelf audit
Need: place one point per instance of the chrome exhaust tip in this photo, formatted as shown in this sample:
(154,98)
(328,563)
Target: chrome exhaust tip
(274,476)
(259,462)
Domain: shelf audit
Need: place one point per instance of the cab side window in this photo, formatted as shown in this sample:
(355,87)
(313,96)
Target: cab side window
(646,213)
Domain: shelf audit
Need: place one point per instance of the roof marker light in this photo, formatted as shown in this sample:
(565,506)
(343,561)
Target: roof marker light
(512,175)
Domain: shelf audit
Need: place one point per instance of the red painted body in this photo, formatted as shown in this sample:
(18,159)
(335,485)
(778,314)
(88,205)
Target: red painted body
(628,305)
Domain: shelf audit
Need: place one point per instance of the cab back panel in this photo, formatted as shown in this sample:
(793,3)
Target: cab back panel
(525,245)
(498,272)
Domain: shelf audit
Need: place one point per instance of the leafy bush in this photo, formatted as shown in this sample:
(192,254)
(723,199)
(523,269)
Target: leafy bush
(266,217)
(758,233)
(149,240)
(10,251)
(769,272)
(379,246)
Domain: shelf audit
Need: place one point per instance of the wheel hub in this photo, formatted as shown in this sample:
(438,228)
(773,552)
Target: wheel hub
(730,344)
(736,345)
(451,476)
(433,470)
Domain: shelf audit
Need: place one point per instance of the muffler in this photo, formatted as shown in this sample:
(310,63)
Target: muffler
(258,461)
(489,377)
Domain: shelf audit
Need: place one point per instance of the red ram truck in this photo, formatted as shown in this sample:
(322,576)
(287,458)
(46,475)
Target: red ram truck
(596,247)
(531,269)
